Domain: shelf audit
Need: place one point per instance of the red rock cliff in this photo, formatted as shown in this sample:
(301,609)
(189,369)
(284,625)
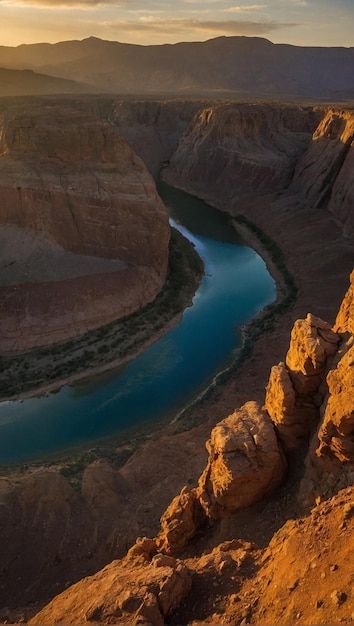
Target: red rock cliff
(234,150)
(324,174)
(73,191)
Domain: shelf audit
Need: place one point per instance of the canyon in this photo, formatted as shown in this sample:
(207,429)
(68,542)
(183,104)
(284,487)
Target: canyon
(239,531)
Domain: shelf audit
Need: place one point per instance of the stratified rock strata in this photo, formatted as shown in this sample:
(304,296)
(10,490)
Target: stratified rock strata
(324,174)
(234,150)
(68,177)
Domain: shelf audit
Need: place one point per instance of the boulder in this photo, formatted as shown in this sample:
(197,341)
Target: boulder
(292,418)
(180,522)
(245,462)
(312,341)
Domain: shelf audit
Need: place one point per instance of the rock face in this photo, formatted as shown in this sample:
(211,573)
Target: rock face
(245,462)
(153,128)
(235,150)
(330,460)
(345,318)
(142,588)
(68,177)
(293,393)
(180,522)
(324,173)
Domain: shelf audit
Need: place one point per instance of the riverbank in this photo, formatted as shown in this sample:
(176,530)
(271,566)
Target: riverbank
(44,370)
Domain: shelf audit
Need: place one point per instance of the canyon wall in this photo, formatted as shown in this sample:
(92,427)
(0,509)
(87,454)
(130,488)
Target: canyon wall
(153,128)
(230,151)
(89,233)
(324,174)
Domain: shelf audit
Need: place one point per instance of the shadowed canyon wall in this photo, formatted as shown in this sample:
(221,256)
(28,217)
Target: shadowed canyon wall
(73,191)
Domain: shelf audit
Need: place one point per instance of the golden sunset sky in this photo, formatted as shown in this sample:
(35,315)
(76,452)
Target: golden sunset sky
(299,22)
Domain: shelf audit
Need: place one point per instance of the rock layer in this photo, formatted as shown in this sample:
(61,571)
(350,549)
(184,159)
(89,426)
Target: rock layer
(324,173)
(236,149)
(69,177)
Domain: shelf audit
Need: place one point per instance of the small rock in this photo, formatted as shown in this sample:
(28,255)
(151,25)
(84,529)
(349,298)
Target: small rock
(319,604)
(338,597)
(333,567)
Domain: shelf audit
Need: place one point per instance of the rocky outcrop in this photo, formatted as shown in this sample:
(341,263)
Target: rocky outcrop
(345,319)
(330,460)
(324,173)
(293,394)
(180,522)
(140,589)
(245,462)
(68,178)
(235,150)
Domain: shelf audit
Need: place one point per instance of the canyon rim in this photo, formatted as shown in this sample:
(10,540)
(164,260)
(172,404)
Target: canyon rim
(239,531)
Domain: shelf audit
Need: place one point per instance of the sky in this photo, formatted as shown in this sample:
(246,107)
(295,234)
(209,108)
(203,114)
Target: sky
(146,22)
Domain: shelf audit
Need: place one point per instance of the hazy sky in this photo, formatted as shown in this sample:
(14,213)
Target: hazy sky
(300,22)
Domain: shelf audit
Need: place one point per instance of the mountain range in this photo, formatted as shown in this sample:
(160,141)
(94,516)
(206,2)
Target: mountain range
(224,66)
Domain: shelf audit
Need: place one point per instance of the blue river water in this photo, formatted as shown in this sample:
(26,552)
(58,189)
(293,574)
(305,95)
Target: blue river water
(160,382)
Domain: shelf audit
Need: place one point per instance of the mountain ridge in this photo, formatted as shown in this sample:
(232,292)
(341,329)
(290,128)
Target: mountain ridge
(239,65)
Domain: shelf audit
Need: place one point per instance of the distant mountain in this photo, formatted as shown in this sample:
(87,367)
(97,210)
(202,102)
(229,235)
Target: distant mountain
(226,65)
(29,83)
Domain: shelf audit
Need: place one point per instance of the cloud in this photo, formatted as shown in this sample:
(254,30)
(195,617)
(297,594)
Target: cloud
(187,27)
(247,9)
(66,3)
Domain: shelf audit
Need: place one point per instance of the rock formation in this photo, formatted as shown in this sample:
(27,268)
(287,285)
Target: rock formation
(73,192)
(153,128)
(330,461)
(323,174)
(293,393)
(235,150)
(245,462)
(142,588)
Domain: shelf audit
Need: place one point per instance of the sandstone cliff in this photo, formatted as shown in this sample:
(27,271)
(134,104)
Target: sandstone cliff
(234,150)
(73,191)
(324,173)
(153,128)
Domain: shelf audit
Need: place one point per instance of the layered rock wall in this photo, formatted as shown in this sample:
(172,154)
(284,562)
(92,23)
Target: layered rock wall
(67,178)
(324,174)
(234,150)
(153,128)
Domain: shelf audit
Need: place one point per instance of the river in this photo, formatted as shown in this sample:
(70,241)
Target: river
(160,382)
